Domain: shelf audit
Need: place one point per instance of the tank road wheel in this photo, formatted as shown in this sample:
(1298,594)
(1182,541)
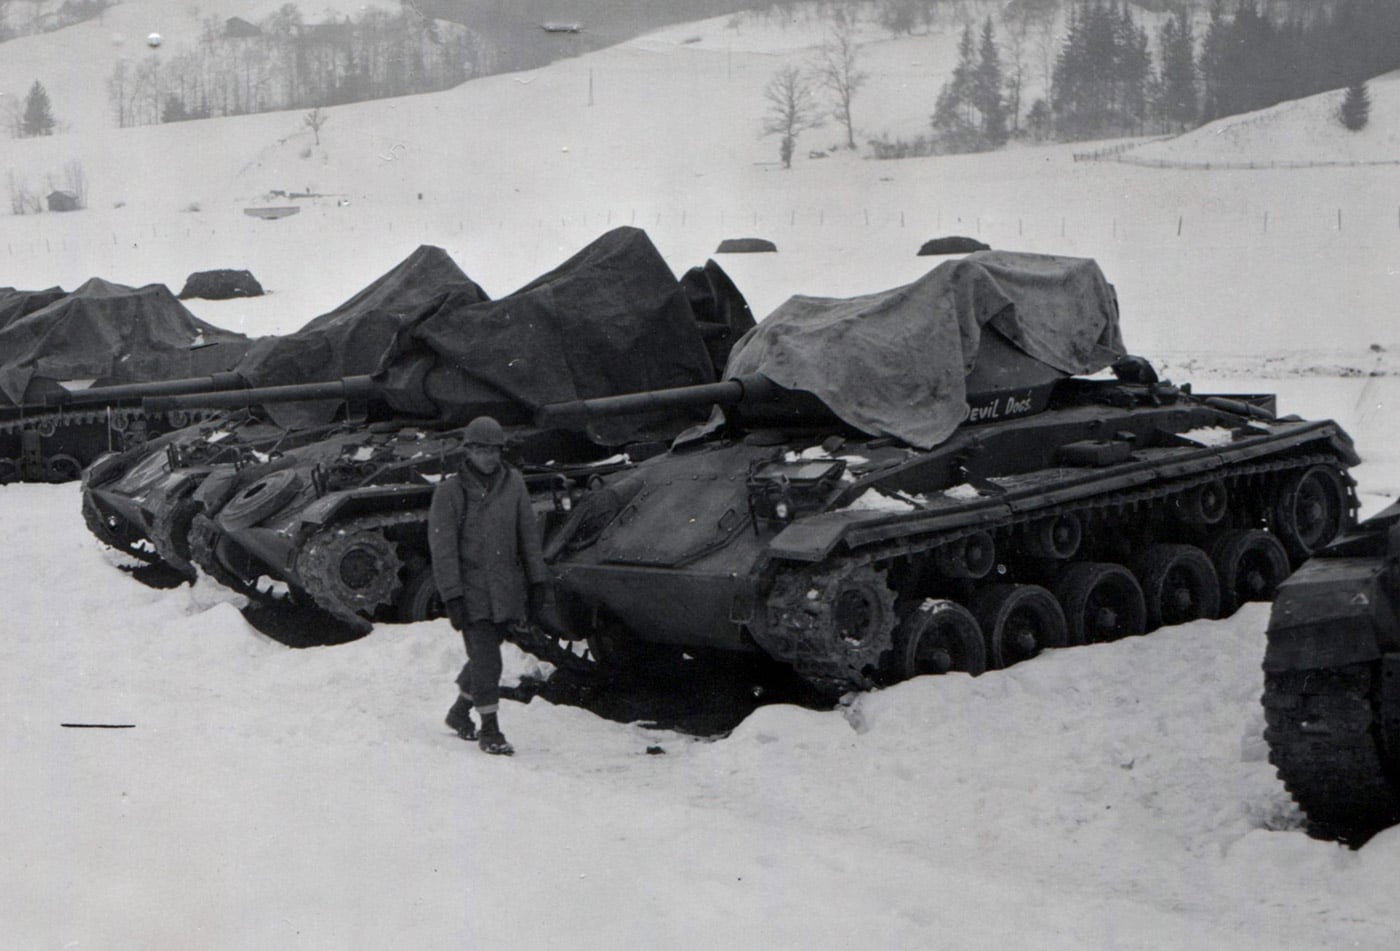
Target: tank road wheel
(1055,537)
(1018,621)
(938,636)
(1309,512)
(419,599)
(1102,602)
(831,623)
(1179,584)
(1250,564)
(970,557)
(1324,741)
(61,467)
(351,572)
(261,499)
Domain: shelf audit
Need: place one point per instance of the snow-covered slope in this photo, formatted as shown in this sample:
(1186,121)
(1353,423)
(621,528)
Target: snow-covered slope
(1115,796)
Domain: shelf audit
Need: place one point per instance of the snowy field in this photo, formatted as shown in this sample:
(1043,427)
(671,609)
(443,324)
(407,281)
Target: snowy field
(1115,796)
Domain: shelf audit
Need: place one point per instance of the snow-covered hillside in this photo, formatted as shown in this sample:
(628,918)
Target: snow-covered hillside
(1114,796)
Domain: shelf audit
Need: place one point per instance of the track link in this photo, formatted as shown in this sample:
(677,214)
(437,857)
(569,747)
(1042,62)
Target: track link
(1324,739)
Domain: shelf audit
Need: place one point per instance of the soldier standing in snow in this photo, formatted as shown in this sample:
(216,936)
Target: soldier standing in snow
(489,571)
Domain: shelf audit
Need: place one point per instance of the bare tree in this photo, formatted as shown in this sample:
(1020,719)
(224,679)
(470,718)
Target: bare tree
(792,109)
(836,71)
(314,120)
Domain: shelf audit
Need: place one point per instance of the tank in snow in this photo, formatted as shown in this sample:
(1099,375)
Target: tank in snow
(939,478)
(65,361)
(340,520)
(1332,679)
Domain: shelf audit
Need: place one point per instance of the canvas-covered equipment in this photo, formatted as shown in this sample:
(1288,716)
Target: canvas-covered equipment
(111,333)
(352,339)
(897,362)
(15,303)
(611,319)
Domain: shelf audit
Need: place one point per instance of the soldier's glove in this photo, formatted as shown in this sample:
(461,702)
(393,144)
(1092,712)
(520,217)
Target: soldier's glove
(457,613)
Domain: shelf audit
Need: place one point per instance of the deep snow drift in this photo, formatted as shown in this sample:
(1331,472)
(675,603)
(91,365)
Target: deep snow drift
(1115,796)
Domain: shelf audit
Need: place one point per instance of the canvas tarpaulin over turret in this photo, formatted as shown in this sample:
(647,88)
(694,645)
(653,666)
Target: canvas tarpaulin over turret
(611,319)
(896,362)
(112,333)
(353,338)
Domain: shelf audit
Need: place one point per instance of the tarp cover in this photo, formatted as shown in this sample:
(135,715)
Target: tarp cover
(111,333)
(15,304)
(895,363)
(353,338)
(611,319)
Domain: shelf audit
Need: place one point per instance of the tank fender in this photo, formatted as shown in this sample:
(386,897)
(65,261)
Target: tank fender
(1333,612)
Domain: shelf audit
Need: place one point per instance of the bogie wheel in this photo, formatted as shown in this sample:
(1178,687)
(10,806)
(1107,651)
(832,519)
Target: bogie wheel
(937,637)
(1102,602)
(1018,621)
(1250,564)
(419,599)
(1309,512)
(1179,584)
(61,467)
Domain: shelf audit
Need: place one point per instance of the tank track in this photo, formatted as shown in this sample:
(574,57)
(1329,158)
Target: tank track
(831,671)
(318,580)
(203,537)
(115,429)
(1323,731)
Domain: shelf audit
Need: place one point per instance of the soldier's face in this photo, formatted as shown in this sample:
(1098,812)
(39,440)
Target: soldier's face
(484,459)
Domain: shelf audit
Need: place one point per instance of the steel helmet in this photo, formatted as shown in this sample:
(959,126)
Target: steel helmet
(484,431)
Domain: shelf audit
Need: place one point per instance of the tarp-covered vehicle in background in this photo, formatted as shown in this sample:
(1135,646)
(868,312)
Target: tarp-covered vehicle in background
(62,363)
(341,520)
(931,479)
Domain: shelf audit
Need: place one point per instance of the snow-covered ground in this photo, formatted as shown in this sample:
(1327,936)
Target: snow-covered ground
(1116,796)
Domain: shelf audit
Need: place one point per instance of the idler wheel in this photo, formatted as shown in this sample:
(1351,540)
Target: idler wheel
(1309,511)
(259,500)
(1018,621)
(1102,602)
(937,637)
(1179,584)
(1250,564)
(350,571)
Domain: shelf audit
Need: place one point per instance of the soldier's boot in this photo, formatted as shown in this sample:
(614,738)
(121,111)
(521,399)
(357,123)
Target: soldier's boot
(492,739)
(459,718)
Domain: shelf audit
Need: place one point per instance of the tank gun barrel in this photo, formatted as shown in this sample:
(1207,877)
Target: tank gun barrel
(724,393)
(127,392)
(349,387)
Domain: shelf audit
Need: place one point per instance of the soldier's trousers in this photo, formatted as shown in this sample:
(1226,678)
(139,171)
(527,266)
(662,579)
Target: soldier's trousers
(480,678)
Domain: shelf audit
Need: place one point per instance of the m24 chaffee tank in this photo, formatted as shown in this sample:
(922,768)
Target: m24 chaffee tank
(340,520)
(1332,682)
(925,480)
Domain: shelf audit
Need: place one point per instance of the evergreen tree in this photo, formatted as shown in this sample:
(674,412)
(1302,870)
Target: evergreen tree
(953,119)
(38,112)
(1177,103)
(1356,107)
(987,90)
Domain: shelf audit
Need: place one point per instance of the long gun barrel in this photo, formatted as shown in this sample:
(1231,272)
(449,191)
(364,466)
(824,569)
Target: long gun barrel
(128,392)
(725,393)
(350,387)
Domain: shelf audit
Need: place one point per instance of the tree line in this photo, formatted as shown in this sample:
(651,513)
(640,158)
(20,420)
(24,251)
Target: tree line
(283,62)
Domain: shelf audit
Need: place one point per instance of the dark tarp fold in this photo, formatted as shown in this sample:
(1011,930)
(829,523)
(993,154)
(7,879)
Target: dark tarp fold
(896,362)
(111,333)
(611,319)
(15,304)
(352,339)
